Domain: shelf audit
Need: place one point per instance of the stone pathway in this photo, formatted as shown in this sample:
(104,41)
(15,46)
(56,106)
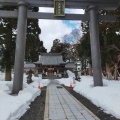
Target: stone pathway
(61,105)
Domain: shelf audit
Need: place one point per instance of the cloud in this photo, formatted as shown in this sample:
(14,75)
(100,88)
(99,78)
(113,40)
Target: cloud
(44,9)
(52,29)
(74,11)
(56,29)
(72,24)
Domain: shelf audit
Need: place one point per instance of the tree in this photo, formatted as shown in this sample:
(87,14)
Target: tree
(59,47)
(84,53)
(33,44)
(109,35)
(7,40)
(7,34)
(73,37)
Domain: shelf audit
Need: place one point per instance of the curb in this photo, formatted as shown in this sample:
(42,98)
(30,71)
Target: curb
(46,106)
(93,115)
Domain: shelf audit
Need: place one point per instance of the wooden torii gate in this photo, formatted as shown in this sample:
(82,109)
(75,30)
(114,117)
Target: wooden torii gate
(92,6)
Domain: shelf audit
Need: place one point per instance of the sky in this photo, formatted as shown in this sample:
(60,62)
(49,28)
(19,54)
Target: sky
(107,97)
(56,29)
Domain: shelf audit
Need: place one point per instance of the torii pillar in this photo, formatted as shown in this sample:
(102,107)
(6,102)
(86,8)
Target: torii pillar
(95,45)
(20,47)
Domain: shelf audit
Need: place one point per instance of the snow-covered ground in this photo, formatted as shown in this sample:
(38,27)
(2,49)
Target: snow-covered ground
(12,107)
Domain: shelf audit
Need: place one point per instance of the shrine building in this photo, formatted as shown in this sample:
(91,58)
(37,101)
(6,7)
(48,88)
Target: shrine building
(51,65)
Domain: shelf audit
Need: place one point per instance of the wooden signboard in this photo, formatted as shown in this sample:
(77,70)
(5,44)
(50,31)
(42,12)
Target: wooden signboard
(50,68)
(59,7)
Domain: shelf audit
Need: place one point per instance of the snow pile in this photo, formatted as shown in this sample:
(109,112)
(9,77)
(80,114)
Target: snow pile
(2,76)
(70,74)
(67,81)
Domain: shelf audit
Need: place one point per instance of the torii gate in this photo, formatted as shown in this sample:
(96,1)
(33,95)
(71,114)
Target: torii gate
(22,14)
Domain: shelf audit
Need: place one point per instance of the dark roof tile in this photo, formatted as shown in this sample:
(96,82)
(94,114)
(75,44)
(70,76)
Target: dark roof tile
(50,59)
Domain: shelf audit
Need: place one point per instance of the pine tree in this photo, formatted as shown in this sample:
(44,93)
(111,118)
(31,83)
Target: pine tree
(60,47)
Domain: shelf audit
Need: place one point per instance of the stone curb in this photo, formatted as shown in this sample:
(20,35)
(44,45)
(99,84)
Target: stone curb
(93,115)
(46,106)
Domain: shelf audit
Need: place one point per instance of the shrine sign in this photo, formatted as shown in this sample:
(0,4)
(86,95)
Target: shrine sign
(59,7)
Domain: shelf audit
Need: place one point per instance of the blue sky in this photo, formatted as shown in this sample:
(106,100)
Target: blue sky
(73,25)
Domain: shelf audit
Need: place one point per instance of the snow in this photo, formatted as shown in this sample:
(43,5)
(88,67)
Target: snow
(107,97)
(12,107)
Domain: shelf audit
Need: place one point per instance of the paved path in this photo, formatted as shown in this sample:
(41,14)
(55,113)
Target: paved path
(61,105)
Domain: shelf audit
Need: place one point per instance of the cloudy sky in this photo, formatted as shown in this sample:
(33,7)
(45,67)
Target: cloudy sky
(56,29)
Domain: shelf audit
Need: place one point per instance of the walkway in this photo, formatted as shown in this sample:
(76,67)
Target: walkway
(61,105)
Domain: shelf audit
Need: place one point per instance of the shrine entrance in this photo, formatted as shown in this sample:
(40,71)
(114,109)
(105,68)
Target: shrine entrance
(50,71)
(91,6)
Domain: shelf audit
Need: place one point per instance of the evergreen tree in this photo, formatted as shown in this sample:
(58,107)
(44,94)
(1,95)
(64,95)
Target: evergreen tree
(7,34)
(8,37)
(109,34)
(59,47)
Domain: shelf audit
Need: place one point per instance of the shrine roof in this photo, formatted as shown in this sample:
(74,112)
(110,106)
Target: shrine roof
(29,65)
(50,59)
(70,65)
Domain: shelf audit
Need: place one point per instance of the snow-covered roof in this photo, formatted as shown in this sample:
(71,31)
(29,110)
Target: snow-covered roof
(70,65)
(29,65)
(50,59)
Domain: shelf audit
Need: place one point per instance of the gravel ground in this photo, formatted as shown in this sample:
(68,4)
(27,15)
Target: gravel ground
(96,110)
(37,107)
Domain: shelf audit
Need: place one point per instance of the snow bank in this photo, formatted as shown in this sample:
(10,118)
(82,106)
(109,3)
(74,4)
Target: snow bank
(13,107)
